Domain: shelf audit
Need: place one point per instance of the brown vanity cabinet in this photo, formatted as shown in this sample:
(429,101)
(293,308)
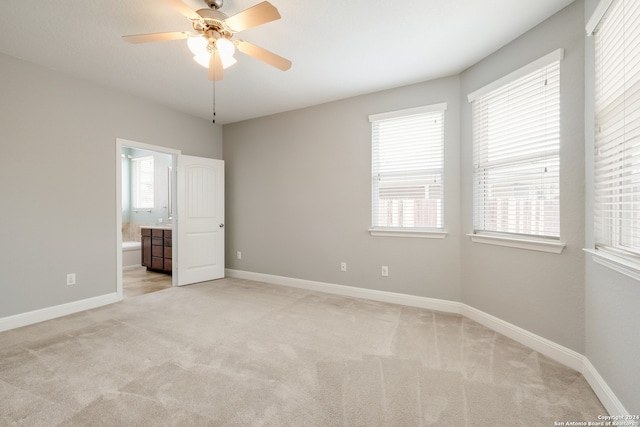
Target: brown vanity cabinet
(156,249)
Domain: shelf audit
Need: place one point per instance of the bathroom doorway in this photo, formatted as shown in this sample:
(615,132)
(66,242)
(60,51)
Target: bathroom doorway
(193,228)
(146,182)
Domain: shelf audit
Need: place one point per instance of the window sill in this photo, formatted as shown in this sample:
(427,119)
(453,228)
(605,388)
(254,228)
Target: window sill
(520,243)
(621,265)
(420,234)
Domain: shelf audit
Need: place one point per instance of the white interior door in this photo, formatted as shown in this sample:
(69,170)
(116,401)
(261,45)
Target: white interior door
(200,219)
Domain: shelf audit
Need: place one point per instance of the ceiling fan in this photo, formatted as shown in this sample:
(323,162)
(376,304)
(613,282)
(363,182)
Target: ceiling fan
(212,41)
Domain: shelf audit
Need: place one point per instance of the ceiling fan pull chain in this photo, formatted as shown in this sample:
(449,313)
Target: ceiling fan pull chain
(213,83)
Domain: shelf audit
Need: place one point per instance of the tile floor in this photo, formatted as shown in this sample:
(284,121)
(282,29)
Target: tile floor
(139,281)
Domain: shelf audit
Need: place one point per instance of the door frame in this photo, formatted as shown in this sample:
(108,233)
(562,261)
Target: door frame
(121,143)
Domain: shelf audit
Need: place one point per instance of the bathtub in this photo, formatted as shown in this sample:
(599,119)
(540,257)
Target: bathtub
(131,255)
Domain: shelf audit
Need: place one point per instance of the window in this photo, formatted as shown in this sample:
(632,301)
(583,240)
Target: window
(516,152)
(407,169)
(617,128)
(142,182)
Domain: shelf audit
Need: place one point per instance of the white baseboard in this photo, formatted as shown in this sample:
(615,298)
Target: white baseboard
(350,291)
(603,391)
(555,351)
(31,317)
(559,353)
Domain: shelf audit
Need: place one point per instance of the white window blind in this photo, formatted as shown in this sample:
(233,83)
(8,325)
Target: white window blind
(617,128)
(516,152)
(142,182)
(407,168)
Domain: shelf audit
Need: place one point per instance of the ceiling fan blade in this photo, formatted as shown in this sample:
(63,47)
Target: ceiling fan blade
(264,55)
(256,15)
(156,37)
(215,67)
(183,9)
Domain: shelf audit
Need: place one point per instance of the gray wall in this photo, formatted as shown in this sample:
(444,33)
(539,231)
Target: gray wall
(540,292)
(58,184)
(298,197)
(612,314)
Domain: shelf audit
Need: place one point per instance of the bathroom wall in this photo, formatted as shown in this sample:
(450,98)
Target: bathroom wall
(125,167)
(133,219)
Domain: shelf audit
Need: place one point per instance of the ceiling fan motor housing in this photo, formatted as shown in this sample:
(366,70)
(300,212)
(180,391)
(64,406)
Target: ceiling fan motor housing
(212,20)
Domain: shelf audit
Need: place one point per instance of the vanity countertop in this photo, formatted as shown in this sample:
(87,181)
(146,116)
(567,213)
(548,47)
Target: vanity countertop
(158,227)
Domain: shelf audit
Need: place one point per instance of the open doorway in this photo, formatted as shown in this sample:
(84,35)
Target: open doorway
(144,229)
(196,231)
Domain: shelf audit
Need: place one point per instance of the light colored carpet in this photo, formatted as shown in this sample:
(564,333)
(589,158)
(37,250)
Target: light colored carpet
(240,353)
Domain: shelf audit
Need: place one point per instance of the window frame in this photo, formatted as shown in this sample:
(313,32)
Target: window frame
(609,249)
(537,242)
(136,184)
(418,232)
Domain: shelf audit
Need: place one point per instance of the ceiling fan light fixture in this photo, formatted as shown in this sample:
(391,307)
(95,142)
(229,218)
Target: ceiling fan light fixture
(225,47)
(203,59)
(197,45)
(227,61)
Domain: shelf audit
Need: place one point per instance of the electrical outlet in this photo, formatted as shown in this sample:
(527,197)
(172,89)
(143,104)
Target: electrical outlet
(384,271)
(343,266)
(238,255)
(71,279)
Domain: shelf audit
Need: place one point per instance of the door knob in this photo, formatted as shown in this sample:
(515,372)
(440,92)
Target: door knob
(221,225)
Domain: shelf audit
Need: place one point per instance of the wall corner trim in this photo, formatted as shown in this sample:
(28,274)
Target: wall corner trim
(36,316)
(555,351)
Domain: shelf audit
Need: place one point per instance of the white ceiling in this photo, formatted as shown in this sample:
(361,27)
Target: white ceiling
(338,48)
